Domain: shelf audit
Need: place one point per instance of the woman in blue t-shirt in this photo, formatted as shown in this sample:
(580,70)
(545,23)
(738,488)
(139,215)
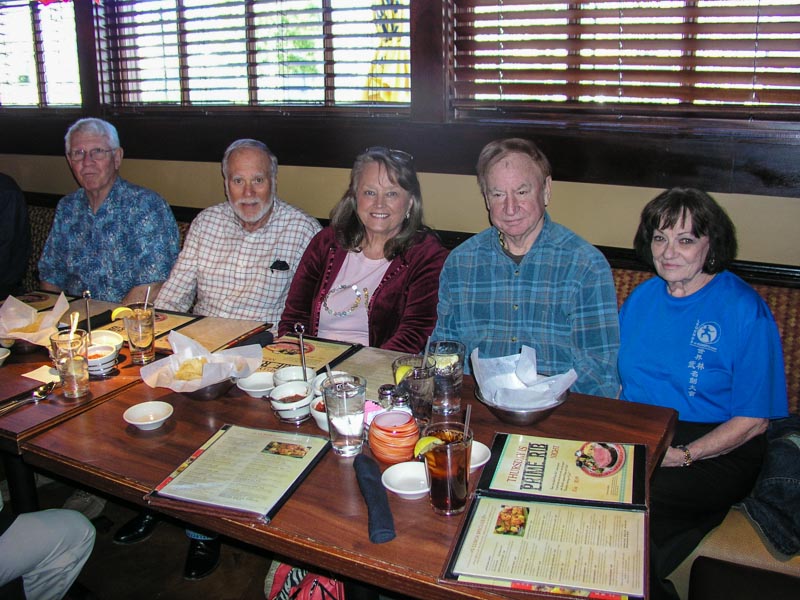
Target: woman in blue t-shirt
(699,340)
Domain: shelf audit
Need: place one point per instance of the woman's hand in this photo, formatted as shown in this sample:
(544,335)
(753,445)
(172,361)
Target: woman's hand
(720,440)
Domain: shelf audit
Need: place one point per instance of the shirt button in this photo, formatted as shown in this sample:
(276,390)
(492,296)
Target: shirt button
(516,306)
(516,273)
(513,338)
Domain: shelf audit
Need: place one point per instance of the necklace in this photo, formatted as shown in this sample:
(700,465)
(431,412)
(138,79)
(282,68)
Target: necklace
(343,313)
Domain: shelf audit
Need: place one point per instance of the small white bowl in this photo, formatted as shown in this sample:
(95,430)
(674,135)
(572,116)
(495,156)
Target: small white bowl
(106,337)
(407,479)
(148,415)
(257,385)
(102,359)
(320,415)
(4,353)
(287,374)
(317,383)
(296,411)
(479,456)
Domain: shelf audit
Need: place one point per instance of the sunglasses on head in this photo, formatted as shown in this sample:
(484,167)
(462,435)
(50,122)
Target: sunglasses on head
(391,152)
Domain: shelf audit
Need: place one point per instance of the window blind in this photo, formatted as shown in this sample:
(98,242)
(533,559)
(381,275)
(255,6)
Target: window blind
(38,55)
(259,52)
(699,54)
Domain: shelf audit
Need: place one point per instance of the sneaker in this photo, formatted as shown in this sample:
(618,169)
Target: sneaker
(90,505)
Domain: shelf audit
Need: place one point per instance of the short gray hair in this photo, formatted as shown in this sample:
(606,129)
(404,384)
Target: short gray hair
(92,126)
(256,145)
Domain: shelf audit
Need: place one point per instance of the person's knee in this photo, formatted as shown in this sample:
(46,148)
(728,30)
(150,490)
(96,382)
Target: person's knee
(77,530)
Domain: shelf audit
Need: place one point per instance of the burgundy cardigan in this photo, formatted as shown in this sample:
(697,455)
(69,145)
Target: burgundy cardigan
(402,309)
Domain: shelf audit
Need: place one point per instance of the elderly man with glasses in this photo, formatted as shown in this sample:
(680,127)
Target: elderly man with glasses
(110,237)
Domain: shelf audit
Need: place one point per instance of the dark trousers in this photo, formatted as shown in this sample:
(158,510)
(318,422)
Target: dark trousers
(688,502)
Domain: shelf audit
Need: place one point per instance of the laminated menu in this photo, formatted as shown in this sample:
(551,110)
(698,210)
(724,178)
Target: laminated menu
(241,472)
(557,516)
(285,352)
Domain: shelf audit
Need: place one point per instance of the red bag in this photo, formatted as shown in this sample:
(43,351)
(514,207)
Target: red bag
(294,583)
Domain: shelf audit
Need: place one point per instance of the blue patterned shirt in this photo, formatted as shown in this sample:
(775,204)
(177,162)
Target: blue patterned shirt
(132,240)
(559,300)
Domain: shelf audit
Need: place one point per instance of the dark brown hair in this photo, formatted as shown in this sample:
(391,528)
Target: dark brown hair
(708,219)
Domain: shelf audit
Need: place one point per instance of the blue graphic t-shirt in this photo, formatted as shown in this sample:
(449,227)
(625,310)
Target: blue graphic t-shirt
(132,240)
(713,355)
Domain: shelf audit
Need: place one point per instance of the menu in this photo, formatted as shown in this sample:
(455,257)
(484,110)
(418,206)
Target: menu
(243,470)
(285,351)
(558,516)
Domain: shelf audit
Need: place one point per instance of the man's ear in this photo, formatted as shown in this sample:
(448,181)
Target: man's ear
(547,189)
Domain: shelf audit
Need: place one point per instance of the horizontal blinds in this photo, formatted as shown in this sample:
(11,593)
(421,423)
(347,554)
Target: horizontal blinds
(259,52)
(701,53)
(38,55)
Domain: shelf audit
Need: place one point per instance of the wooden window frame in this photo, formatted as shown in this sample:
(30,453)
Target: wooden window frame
(718,155)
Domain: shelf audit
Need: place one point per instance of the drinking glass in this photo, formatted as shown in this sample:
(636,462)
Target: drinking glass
(141,328)
(411,376)
(69,355)
(344,403)
(448,466)
(448,375)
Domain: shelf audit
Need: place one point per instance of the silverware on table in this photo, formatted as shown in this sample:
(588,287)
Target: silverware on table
(40,393)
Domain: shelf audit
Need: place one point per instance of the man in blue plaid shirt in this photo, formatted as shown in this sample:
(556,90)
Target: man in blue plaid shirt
(527,280)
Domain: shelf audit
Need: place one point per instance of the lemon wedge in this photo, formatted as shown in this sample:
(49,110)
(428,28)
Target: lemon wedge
(445,360)
(426,443)
(121,312)
(401,373)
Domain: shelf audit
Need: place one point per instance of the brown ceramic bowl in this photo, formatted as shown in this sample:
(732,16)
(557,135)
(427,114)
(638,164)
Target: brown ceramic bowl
(211,392)
(526,416)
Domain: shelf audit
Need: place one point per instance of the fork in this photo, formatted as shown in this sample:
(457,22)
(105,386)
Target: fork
(40,393)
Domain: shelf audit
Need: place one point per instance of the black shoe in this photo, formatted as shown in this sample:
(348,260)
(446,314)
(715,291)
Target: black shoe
(202,559)
(139,528)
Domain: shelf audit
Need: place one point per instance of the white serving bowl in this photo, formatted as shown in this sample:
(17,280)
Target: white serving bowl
(287,374)
(319,414)
(479,456)
(148,415)
(317,383)
(4,353)
(102,359)
(295,411)
(257,385)
(407,479)
(105,337)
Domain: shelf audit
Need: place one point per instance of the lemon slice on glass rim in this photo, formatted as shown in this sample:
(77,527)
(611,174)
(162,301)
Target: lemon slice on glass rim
(121,312)
(424,444)
(401,373)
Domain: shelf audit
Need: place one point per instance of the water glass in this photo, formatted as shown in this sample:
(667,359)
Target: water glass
(448,375)
(69,355)
(448,466)
(411,377)
(344,403)
(141,328)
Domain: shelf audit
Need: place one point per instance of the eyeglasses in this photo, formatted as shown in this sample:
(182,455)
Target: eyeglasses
(94,154)
(391,152)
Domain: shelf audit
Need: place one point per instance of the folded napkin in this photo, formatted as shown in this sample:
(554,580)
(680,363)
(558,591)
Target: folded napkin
(381,523)
(98,320)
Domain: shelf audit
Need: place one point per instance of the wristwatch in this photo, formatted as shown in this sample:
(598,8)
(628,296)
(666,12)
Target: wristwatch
(687,456)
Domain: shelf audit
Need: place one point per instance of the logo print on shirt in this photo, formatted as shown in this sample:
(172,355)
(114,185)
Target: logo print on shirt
(706,335)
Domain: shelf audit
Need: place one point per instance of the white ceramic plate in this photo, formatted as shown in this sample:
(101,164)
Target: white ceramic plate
(407,479)
(479,456)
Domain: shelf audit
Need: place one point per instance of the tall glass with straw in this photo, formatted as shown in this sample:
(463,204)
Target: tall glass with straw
(140,326)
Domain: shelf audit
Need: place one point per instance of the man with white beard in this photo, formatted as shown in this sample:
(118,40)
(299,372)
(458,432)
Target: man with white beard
(240,256)
(237,262)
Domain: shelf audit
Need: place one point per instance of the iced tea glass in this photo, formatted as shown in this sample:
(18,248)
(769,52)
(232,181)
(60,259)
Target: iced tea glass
(141,329)
(448,466)
(69,354)
(448,375)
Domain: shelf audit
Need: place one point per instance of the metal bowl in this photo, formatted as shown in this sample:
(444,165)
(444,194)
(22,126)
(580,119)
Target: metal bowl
(211,392)
(525,416)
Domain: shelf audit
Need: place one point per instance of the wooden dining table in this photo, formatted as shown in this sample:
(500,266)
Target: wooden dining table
(323,524)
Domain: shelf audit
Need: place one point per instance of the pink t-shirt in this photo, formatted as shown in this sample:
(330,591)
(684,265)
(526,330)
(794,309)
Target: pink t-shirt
(343,315)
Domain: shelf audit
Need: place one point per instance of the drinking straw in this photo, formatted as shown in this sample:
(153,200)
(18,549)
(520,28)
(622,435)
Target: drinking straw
(425,354)
(467,414)
(73,324)
(146,297)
